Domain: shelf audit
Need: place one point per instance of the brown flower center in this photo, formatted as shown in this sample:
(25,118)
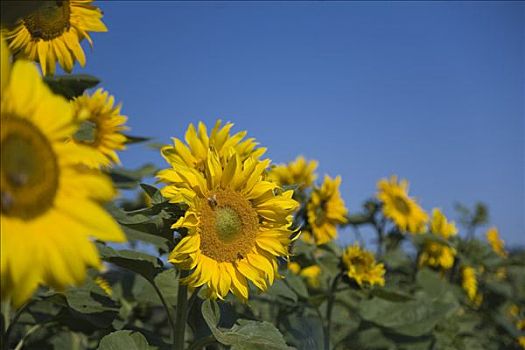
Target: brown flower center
(29,169)
(401,205)
(228,226)
(49,20)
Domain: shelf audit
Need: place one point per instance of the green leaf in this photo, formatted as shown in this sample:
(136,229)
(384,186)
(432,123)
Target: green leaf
(124,340)
(411,318)
(144,264)
(297,284)
(304,332)
(246,334)
(131,178)
(433,285)
(153,193)
(136,139)
(391,294)
(281,289)
(87,301)
(71,86)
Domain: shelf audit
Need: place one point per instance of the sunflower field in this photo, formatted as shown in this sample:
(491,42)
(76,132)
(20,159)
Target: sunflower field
(223,249)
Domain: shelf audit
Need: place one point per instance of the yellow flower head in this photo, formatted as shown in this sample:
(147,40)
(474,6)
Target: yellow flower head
(238,223)
(311,273)
(325,210)
(437,255)
(521,341)
(469,282)
(514,310)
(101,128)
(294,267)
(399,207)
(5,64)
(195,152)
(104,285)
(497,244)
(434,253)
(440,226)
(299,172)
(49,206)
(53,33)
(361,266)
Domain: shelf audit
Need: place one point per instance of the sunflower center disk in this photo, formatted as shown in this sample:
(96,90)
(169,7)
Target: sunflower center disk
(228,226)
(49,21)
(87,133)
(401,205)
(29,171)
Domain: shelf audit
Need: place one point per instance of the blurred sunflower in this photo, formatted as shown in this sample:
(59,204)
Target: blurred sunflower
(237,223)
(49,206)
(310,273)
(497,244)
(469,283)
(195,152)
(361,266)
(101,128)
(299,172)
(435,253)
(325,210)
(399,207)
(5,64)
(521,341)
(54,31)
(104,285)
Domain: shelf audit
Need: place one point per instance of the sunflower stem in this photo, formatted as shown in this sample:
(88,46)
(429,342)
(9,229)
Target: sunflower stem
(329,309)
(181,314)
(166,307)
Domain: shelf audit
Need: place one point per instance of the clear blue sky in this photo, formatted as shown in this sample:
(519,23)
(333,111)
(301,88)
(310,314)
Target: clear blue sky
(431,91)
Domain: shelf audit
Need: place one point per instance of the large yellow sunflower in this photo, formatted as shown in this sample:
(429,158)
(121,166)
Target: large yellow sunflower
(497,244)
(237,223)
(299,172)
(101,129)
(398,206)
(49,206)
(198,142)
(325,210)
(361,266)
(54,31)
(434,253)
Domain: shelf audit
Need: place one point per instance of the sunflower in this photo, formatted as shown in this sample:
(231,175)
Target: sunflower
(310,273)
(53,32)
(101,128)
(104,285)
(195,151)
(237,223)
(440,226)
(325,210)
(49,205)
(435,253)
(5,64)
(361,266)
(469,283)
(299,172)
(399,207)
(521,341)
(497,244)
